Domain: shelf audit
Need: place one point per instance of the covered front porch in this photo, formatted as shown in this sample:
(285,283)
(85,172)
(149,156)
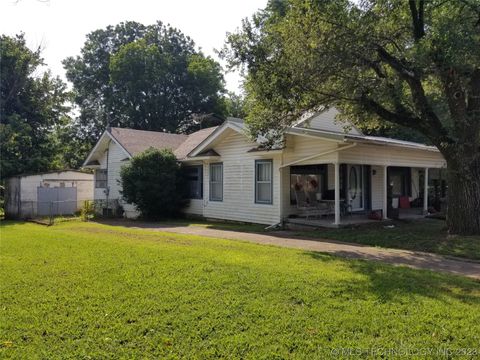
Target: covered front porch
(343,194)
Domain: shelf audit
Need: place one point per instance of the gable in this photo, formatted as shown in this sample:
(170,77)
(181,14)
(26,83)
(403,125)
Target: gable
(326,121)
(231,126)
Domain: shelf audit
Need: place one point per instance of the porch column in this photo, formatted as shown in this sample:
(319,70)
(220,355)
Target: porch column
(425,192)
(385,190)
(337,194)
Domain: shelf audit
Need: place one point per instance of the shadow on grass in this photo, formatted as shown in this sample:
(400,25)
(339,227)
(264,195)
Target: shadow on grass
(8,223)
(389,282)
(181,223)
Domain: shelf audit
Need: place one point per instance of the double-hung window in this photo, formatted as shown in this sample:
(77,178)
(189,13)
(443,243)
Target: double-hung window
(216,182)
(194,179)
(263,181)
(101,178)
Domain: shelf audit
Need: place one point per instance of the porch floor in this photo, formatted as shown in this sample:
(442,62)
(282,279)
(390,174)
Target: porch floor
(328,221)
(353,219)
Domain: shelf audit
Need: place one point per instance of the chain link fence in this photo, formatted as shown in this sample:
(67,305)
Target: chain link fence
(48,211)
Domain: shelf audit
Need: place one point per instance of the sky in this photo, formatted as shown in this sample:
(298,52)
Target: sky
(60,26)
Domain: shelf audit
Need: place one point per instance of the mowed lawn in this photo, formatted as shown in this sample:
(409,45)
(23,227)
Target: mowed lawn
(428,235)
(91,291)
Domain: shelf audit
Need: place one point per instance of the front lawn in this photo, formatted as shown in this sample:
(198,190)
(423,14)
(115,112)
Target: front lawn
(428,235)
(91,291)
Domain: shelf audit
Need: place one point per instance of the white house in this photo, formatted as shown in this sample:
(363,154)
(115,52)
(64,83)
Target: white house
(47,193)
(323,165)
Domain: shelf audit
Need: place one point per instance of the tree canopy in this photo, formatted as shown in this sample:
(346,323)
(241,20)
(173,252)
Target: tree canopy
(32,109)
(414,64)
(143,77)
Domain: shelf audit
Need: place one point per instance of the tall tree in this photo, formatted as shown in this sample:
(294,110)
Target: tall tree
(32,109)
(142,77)
(410,63)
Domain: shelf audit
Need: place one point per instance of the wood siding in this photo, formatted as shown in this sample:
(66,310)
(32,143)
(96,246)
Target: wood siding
(326,121)
(392,156)
(238,183)
(116,159)
(300,147)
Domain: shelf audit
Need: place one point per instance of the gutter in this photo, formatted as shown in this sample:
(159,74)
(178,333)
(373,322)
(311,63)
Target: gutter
(422,147)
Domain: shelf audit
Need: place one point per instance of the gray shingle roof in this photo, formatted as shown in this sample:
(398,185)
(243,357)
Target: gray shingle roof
(137,141)
(192,141)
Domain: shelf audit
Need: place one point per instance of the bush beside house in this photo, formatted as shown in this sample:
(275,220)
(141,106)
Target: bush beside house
(153,182)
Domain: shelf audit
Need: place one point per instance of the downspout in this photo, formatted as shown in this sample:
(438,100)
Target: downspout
(107,190)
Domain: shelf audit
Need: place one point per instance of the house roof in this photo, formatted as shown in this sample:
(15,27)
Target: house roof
(137,141)
(197,144)
(192,142)
(378,140)
(134,142)
(374,140)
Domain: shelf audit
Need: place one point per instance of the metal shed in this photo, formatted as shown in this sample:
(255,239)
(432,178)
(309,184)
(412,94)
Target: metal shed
(49,193)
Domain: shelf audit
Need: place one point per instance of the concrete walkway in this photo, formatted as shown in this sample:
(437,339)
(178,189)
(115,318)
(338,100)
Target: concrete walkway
(413,259)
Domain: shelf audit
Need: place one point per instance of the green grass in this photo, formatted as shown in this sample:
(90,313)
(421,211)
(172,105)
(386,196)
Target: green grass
(90,291)
(428,235)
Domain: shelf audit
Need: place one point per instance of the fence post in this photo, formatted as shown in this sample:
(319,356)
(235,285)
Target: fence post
(50,222)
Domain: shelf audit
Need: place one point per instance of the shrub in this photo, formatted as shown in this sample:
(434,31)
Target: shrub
(153,182)
(88,210)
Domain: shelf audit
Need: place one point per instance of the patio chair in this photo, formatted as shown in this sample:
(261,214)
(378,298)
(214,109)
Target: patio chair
(309,206)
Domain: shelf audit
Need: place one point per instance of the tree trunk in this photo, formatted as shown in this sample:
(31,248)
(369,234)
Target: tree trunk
(463,217)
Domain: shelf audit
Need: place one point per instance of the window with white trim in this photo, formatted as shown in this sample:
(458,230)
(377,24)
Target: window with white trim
(101,178)
(264,181)
(216,182)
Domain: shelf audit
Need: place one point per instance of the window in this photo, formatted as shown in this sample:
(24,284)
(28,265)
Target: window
(194,181)
(101,178)
(310,179)
(263,181)
(216,182)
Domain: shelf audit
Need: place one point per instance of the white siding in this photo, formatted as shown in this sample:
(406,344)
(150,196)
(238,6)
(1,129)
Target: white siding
(116,159)
(300,147)
(377,187)
(391,155)
(99,193)
(195,207)
(326,121)
(238,184)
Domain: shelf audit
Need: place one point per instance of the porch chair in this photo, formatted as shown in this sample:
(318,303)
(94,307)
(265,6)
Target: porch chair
(309,206)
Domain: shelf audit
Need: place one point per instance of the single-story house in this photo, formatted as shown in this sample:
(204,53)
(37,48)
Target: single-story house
(321,162)
(48,193)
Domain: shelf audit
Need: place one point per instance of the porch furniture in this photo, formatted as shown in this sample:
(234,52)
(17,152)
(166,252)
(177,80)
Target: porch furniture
(309,205)
(345,207)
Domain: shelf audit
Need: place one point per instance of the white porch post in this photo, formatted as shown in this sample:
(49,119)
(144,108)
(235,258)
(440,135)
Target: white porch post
(337,193)
(425,192)
(385,190)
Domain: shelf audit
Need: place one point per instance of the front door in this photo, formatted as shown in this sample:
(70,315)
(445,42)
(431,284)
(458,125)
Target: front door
(355,187)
